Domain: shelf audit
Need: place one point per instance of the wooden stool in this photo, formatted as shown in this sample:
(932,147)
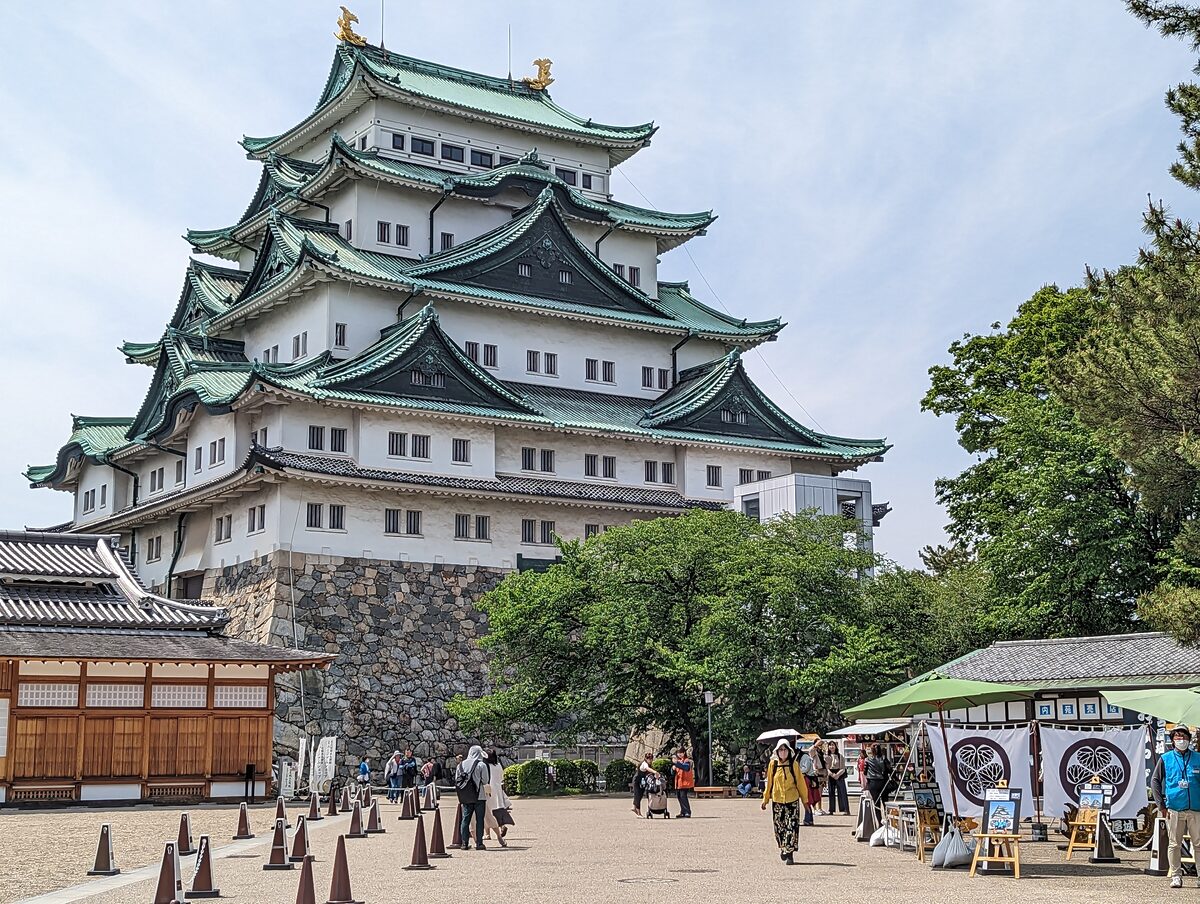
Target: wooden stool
(1008,850)
(1082,837)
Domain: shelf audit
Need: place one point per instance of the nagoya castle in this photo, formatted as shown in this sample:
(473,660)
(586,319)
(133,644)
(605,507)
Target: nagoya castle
(432,344)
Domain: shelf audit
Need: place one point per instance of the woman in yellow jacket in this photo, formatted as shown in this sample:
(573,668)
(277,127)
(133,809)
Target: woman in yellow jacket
(786,787)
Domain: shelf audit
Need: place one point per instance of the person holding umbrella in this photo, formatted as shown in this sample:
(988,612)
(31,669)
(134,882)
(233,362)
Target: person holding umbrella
(785,788)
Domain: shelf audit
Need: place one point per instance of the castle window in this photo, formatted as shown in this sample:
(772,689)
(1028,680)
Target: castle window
(564,277)
(337,517)
(339,335)
(316,437)
(590,530)
(397,142)
(610,372)
(568,176)
(447,241)
(473,351)
(383,232)
(505,160)
(89,501)
(591,465)
(550,363)
(619,269)
(222,528)
(179,469)
(547,532)
(452,152)
(420,378)
(154,549)
(198,458)
(422,146)
(348,230)
(157,480)
(745,475)
(587,180)
(412,522)
(216,453)
(420,446)
(483,527)
(763,475)
(729,416)
(533,361)
(300,345)
(402,235)
(635,276)
(651,472)
(463,524)
(591,369)
(524,270)
(397,444)
(528,530)
(461,451)
(391,521)
(489,355)
(362,143)
(256,519)
(481,158)
(664,378)
(337,439)
(647,378)
(668,472)
(462,527)
(713,476)
(315,516)
(528,459)
(609,463)
(547,462)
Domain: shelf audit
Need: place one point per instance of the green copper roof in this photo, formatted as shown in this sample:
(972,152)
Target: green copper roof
(469,93)
(291,240)
(286,183)
(93,438)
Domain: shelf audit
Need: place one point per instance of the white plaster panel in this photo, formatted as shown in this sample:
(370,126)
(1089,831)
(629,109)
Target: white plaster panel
(49,668)
(96,791)
(221,790)
(225,670)
(180,670)
(116,670)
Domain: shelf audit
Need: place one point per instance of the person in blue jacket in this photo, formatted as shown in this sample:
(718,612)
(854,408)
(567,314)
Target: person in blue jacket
(1175,785)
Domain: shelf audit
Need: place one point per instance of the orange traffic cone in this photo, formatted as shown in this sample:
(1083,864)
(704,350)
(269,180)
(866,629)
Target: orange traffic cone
(356,823)
(243,829)
(300,846)
(106,863)
(307,892)
(374,824)
(420,854)
(183,843)
(339,886)
(437,841)
(170,887)
(344,806)
(314,808)
(279,856)
(456,836)
(202,881)
(281,812)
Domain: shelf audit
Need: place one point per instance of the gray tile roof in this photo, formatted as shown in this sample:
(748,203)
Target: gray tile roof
(145,646)
(1077,661)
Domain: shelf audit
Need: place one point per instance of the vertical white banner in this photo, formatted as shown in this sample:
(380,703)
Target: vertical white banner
(1071,758)
(979,759)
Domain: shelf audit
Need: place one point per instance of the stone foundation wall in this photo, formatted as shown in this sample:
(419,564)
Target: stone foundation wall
(404,635)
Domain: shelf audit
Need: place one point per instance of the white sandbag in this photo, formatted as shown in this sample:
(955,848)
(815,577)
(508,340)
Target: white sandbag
(958,851)
(879,837)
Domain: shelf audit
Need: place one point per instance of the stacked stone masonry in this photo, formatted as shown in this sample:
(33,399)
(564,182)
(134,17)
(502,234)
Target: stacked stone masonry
(404,634)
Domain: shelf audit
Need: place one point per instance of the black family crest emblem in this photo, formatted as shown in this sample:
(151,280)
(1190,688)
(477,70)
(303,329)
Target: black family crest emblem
(977,764)
(547,252)
(1094,757)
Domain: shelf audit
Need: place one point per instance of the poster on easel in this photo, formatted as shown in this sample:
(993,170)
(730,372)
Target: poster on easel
(1001,816)
(1095,800)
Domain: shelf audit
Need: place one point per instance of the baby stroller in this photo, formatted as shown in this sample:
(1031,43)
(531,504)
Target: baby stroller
(656,797)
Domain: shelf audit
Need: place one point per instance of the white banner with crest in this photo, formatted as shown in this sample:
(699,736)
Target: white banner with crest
(979,759)
(1071,758)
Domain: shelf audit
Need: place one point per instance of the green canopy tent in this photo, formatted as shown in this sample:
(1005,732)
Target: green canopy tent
(935,692)
(1171,704)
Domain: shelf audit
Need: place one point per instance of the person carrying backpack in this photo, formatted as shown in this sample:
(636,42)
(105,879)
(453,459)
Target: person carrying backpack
(785,788)
(471,782)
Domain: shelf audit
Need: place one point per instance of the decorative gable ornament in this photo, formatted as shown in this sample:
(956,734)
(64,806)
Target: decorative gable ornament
(547,252)
(345,32)
(430,365)
(542,80)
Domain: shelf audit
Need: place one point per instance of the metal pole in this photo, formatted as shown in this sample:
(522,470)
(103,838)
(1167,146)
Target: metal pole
(710,771)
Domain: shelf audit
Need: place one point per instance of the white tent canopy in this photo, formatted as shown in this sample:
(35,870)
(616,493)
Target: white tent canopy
(871,728)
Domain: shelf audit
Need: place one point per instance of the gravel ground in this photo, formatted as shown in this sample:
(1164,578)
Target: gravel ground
(566,849)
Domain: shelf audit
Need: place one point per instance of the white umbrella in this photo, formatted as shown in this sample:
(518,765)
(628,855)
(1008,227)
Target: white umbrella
(788,734)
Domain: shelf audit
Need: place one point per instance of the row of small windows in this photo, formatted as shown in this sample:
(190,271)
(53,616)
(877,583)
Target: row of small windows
(490,355)
(541,363)
(384,233)
(631,274)
(337,438)
(216,456)
(648,377)
(457,153)
(597,371)
(730,416)
(89,498)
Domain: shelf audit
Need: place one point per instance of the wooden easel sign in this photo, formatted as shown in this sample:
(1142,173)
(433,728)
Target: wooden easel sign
(1001,818)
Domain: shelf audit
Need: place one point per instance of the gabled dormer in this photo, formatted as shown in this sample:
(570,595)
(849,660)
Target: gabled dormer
(207,290)
(416,359)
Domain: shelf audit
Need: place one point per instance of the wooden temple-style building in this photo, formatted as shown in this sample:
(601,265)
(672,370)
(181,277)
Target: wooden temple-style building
(109,692)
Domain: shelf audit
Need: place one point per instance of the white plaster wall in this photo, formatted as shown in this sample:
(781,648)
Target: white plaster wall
(92,477)
(202,430)
(373,444)
(569,452)
(309,311)
(695,462)
(622,247)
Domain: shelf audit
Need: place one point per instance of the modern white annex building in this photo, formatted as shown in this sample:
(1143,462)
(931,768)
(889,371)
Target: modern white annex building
(434,340)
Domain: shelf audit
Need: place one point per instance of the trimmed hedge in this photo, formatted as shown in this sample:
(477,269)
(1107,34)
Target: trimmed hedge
(510,778)
(589,773)
(566,774)
(531,777)
(618,775)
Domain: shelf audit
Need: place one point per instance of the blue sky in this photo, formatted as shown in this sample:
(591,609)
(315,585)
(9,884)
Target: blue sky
(888,176)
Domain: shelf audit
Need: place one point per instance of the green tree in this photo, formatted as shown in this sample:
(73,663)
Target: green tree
(632,626)
(1046,506)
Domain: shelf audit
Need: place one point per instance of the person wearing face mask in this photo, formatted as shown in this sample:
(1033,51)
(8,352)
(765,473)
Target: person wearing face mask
(1175,785)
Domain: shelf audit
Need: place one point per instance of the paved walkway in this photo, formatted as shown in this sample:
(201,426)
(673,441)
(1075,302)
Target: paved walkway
(593,849)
